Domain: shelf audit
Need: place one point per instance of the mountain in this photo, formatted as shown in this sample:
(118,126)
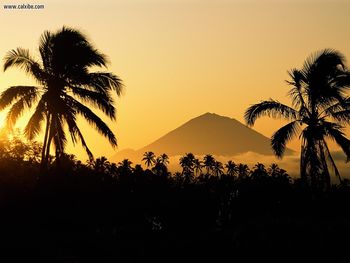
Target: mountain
(207,134)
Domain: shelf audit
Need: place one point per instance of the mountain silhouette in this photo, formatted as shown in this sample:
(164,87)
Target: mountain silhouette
(206,134)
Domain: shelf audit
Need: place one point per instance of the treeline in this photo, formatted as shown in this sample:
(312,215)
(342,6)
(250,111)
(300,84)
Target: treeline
(100,211)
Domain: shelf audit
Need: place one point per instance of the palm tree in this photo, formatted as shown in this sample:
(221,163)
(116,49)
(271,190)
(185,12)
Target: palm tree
(218,168)
(66,89)
(320,109)
(125,167)
(197,166)
(160,167)
(163,159)
(274,170)
(277,173)
(243,170)
(231,168)
(149,158)
(208,162)
(100,164)
(187,163)
(259,171)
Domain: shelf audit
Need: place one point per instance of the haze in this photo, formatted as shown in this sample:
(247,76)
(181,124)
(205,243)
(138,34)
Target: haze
(180,59)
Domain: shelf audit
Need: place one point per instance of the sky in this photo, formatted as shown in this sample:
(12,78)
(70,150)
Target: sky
(181,58)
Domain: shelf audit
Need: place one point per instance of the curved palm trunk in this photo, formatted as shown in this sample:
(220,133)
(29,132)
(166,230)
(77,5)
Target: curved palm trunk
(48,145)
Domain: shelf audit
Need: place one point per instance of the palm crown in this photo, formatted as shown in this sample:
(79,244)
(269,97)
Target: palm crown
(320,109)
(65,85)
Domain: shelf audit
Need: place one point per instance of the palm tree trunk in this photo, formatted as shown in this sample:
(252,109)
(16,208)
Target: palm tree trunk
(303,176)
(49,139)
(43,152)
(325,175)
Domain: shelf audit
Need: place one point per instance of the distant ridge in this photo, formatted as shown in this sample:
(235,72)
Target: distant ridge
(207,134)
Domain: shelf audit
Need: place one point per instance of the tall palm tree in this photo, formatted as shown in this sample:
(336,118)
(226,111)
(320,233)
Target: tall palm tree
(149,158)
(66,88)
(320,109)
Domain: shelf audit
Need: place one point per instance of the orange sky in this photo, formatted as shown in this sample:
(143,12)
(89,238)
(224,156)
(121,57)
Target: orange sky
(181,58)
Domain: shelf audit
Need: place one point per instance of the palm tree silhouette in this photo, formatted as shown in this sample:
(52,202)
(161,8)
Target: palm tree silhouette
(208,162)
(99,165)
(231,168)
(149,158)
(125,167)
(259,171)
(65,84)
(320,109)
(163,159)
(160,167)
(274,170)
(243,170)
(187,164)
(197,166)
(218,168)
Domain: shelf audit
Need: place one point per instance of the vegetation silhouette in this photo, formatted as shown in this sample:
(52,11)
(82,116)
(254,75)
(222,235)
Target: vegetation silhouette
(320,110)
(65,85)
(103,212)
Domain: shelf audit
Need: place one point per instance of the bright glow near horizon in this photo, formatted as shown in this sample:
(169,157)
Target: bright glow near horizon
(180,59)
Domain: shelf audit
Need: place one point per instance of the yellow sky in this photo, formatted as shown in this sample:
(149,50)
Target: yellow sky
(180,59)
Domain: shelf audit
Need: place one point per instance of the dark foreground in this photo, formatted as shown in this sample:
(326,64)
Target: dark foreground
(82,214)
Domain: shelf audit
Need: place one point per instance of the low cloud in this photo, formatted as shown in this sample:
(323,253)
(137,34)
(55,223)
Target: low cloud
(290,163)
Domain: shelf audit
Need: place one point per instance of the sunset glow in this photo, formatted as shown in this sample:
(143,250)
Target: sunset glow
(190,130)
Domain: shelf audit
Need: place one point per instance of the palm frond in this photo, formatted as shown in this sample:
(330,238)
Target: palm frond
(21,58)
(45,49)
(76,133)
(331,161)
(104,81)
(342,116)
(281,137)
(343,80)
(296,92)
(33,126)
(325,60)
(8,96)
(270,108)
(17,108)
(100,100)
(94,120)
(334,131)
(72,52)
